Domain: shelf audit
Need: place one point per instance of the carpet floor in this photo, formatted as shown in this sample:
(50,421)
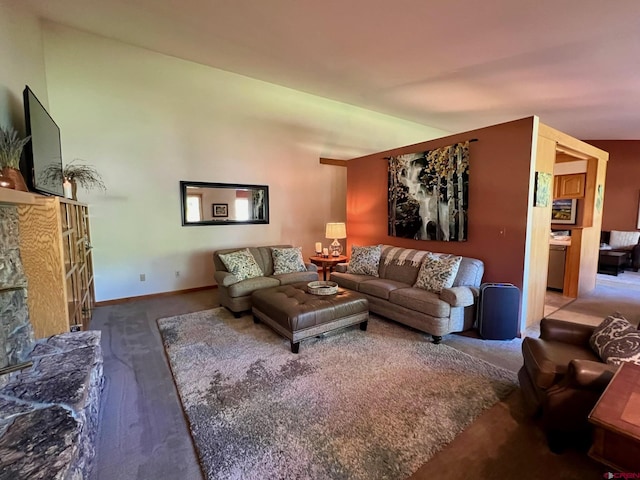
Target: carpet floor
(352,404)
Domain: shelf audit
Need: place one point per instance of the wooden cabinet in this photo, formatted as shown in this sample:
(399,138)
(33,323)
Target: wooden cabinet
(55,247)
(569,186)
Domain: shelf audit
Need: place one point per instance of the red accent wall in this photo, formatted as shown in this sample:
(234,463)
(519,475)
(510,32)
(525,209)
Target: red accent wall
(622,186)
(499,173)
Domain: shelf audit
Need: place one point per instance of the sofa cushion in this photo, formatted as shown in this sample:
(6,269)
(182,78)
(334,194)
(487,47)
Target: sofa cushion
(241,264)
(246,287)
(616,340)
(350,280)
(437,272)
(623,239)
(287,260)
(295,277)
(365,260)
(400,264)
(380,287)
(421,301)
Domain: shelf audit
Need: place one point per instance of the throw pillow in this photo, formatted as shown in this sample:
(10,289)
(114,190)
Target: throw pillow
(287,260)
(616,340)
(437,272)
(365,260)
(241,264)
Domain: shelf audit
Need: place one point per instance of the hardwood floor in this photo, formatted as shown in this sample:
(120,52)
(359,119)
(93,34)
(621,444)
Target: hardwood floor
(143,433)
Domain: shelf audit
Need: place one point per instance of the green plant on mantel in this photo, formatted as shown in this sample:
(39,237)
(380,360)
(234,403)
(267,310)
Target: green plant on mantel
(78,174)
(11,147)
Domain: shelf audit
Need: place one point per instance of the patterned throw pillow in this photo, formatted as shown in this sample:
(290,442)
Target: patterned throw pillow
(437,272)
(616,340)
(365,260)
(287,260)
(241,264)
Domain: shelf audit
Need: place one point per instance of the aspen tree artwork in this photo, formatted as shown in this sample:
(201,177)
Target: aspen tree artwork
(429,194)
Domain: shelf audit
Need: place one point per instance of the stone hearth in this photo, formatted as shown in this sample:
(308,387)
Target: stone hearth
(49,413)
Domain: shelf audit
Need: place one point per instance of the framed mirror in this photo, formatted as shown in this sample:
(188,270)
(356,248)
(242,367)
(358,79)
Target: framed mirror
(223,203)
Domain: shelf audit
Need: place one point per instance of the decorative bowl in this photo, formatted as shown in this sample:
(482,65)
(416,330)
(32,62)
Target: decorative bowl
(322,288)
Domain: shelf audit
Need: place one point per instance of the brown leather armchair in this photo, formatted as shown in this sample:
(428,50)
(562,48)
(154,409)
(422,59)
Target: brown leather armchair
(562,379)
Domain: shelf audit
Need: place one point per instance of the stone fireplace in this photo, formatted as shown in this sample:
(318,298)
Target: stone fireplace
(50,408)
(16,334)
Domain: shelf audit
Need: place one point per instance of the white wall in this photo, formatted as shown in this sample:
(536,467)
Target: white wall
(147,121)
(21,62)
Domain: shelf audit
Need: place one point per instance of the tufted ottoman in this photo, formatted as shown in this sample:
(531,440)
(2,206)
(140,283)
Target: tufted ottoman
(296,314)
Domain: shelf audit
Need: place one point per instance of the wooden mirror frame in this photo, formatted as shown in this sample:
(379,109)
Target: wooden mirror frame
(218,203)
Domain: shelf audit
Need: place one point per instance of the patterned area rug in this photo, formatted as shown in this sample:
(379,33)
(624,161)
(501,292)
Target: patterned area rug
(351,405)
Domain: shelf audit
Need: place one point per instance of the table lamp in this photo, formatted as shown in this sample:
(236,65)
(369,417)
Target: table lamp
(336,231)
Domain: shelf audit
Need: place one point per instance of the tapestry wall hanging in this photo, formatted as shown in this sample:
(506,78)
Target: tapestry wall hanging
(429,194)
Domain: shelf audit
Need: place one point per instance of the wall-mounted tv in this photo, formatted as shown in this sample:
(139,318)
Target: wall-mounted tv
(44,150)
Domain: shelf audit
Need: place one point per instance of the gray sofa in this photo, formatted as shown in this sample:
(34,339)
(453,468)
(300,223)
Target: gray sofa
(236,295)
(393,296)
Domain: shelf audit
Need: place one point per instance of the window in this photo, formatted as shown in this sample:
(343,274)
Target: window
(242,209)
(194,208)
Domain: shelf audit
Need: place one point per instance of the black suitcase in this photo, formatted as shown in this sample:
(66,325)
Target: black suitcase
(498,308)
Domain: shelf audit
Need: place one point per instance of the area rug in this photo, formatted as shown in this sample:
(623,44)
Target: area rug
(351,405)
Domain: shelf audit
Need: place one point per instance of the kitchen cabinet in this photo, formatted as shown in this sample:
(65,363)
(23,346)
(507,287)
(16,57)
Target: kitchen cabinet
(569,186)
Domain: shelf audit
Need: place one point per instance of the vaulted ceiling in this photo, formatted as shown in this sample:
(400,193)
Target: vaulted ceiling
(451,64)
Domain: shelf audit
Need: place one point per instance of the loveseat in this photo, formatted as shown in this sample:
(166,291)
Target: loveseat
(234,292)
(391,293)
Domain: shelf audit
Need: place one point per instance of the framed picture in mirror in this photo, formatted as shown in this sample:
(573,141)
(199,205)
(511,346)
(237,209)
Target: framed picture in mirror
(220,209)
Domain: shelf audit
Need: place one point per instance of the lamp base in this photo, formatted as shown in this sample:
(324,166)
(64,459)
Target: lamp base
(335,248)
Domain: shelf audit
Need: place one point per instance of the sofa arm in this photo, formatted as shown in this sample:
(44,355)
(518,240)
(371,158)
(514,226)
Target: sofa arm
(311,267)
(458,296)
(590,375)
(225,278)
(341,268)
(565,332)
(635,257)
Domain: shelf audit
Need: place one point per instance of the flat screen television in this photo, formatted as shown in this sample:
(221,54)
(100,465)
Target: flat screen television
(44,150)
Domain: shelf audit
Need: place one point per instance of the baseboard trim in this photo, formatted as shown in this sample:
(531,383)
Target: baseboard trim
(153,295)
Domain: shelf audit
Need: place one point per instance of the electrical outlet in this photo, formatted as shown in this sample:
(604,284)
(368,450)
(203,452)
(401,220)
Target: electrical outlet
(143,277)
(177,273)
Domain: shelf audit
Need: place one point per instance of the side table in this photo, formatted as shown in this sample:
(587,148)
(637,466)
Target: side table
(327,263)
(616,416)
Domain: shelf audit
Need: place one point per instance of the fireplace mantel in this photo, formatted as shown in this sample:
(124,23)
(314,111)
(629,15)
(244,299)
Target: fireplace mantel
(15,197)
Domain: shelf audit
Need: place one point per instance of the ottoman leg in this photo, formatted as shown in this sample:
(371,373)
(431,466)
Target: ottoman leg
(436,339)
(295,347)
(256,319)
(363,325)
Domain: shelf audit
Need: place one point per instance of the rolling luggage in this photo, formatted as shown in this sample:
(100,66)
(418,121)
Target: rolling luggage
(497,314)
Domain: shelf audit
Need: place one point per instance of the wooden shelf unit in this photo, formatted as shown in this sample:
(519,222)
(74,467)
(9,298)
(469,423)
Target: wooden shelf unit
(55,246)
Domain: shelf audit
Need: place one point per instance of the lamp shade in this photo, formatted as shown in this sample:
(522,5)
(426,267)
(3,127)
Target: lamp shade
(336,230)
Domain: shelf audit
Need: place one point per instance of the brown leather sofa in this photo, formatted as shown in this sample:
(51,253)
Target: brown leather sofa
(633,251)
(562,379)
